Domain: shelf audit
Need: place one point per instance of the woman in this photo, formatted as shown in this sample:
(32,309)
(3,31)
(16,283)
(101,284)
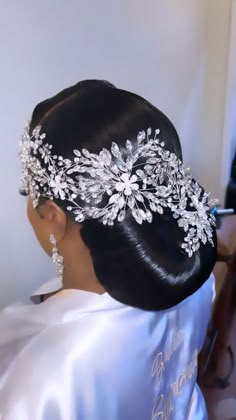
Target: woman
(134,244)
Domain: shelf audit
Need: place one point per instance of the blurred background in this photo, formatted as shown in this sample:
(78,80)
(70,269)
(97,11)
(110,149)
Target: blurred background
(178,54)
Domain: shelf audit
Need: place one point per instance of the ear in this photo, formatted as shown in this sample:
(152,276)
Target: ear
(54,218)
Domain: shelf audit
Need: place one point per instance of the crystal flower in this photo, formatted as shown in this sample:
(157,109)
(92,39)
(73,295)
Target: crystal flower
(58,186)
(127,184)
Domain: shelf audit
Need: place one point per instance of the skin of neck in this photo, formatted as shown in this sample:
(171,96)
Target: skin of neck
(78,265)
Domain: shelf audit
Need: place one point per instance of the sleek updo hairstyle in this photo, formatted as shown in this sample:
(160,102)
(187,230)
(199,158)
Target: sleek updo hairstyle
(139,265)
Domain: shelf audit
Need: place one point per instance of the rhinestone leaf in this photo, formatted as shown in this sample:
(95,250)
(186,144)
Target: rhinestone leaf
(115,150)
(139,197)
(114,198)
(121,216)
(141,136)
(149,216)
(129,145)
(137,215)
(159,209)
(77,153)
(131,202)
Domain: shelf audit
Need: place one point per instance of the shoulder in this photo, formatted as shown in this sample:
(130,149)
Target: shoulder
(58,367)
(35,362)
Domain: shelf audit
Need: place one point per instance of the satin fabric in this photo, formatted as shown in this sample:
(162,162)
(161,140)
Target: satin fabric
(83,356)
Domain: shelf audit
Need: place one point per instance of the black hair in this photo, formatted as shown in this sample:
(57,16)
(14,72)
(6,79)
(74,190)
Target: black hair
(139,265)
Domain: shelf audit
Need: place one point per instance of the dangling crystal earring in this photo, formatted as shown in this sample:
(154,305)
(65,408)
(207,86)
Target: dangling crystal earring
(57,258)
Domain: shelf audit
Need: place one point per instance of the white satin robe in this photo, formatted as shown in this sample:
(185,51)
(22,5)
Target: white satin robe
(83,356)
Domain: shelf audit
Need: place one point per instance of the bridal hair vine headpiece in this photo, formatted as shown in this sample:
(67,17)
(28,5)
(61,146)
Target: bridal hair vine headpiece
(143,178)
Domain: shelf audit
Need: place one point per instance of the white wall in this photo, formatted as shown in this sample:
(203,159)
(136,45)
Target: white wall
(229,129)
(156,48)
(213,144)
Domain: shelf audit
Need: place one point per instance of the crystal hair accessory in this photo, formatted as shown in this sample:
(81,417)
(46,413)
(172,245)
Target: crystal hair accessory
(142,178)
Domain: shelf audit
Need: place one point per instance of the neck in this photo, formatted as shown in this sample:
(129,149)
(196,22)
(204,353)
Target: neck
(78,264)
(79,273)
(81,282)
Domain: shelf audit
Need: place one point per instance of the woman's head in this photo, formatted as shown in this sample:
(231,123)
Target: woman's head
(140,265)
